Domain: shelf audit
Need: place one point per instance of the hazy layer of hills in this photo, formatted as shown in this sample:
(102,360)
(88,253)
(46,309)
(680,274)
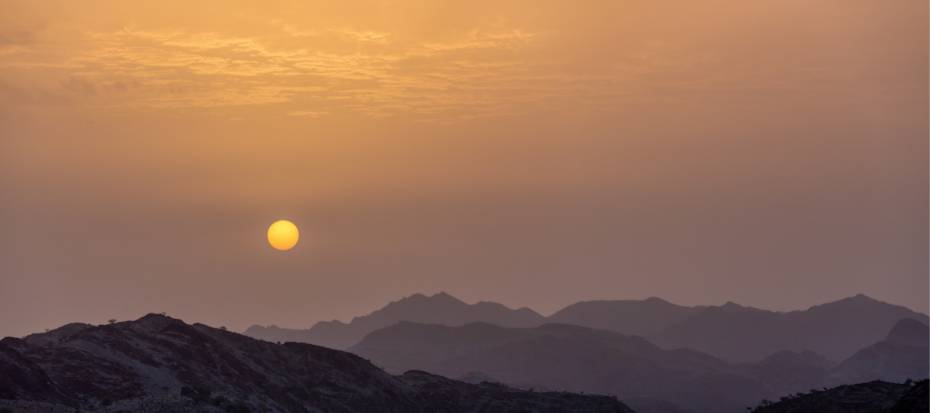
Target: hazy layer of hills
(574,358)
(444,355)
(900,356)
(440,308)
(644,318)
(161,364)
(559,356)
(732,332)
(835,330)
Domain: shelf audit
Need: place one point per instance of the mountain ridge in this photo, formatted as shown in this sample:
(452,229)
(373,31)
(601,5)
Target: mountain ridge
(564,357)
(576,358)
(870,397)
(158,363)
(439,308)
(835,329)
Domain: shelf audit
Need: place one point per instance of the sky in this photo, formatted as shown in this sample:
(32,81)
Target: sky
(533,153)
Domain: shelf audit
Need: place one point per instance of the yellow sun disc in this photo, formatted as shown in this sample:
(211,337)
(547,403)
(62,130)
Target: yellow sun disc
(283,235)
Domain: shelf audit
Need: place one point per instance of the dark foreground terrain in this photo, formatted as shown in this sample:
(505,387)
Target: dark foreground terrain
(871,397)
(161,364)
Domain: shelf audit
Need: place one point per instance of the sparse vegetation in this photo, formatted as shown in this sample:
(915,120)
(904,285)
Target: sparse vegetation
(872,397)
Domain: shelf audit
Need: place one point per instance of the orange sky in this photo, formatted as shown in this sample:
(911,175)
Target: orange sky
(535,153)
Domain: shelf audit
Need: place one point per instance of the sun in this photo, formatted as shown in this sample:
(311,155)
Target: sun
(283,235)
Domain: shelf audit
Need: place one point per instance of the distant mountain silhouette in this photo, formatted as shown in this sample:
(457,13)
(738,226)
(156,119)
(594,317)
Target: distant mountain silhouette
(647,377)
(904,354)
(871,397)
(737,333)
(158,363)
(732,332)
(574,358)
(440,308)
(635,317)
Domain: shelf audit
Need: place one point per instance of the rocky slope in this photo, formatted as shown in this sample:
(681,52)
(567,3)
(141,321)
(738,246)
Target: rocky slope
(871,397)
(158,363)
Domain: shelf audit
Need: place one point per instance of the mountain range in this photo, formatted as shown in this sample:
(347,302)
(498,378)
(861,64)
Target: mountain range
(161,364)
(440,308)
(731,332)
(426,353)
(737,333)
(564,357)
(575,358)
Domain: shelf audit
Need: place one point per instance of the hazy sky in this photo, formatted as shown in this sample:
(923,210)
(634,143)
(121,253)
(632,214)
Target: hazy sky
(535,153)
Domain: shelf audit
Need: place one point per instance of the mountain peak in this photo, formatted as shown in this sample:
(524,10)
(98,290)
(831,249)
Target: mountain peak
(859,302)
(156,317)
(444,296)
(858,299)
(861,298)
(731,306)
(156,320)
(441,296)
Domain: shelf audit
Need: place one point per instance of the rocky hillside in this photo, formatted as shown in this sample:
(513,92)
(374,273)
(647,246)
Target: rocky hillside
(871,397)
(158,363)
